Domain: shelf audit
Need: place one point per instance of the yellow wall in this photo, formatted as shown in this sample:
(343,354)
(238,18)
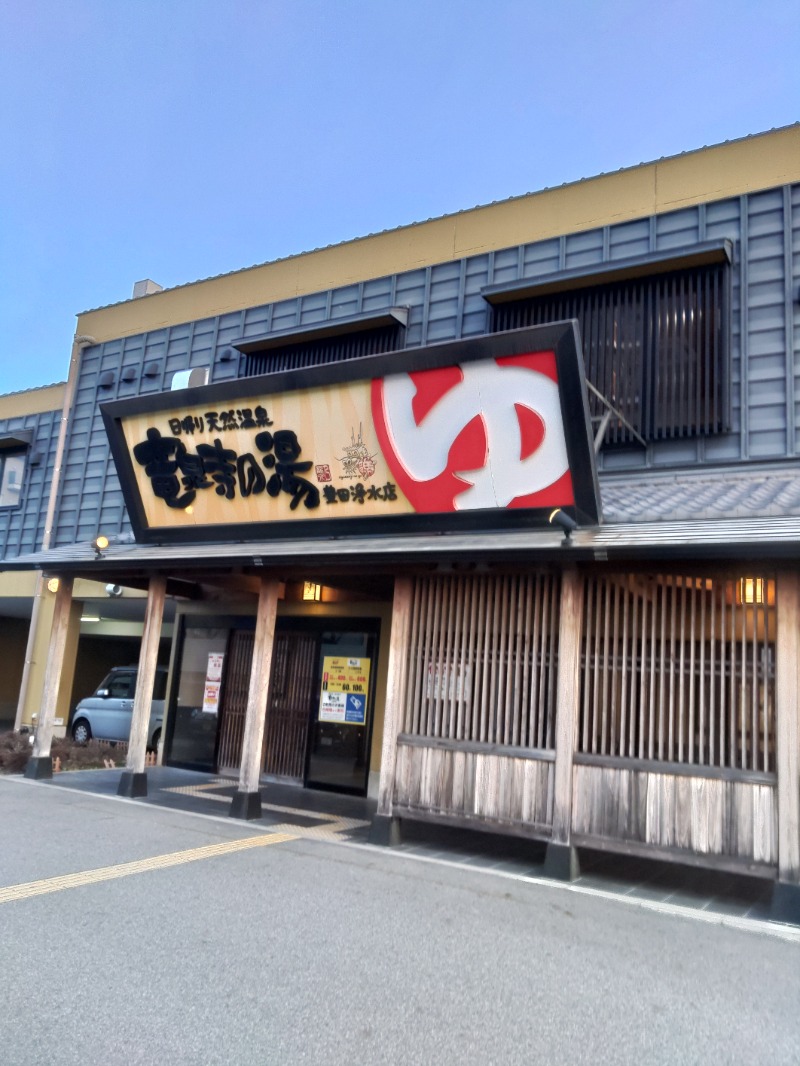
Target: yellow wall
(33,401)
(734,168)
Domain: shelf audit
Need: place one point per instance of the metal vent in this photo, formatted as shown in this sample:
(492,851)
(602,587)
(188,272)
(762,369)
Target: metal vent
(325,350)
(656,347)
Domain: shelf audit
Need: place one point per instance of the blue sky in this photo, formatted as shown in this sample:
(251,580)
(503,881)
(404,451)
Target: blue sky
(178,139)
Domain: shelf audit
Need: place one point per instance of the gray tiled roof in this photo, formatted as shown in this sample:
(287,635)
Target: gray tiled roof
(650,497)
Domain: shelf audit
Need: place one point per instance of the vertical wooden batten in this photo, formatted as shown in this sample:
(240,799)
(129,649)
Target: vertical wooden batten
(40,764)
(133,781)
(788,729)
(247,800)
(561,859)
(385,829)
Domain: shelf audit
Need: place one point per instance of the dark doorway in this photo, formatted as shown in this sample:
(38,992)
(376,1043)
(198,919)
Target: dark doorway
(318,725)
(341,719)
(293,673)
(319,719)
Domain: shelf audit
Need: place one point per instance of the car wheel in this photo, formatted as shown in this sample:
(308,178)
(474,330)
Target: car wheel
(81,731)
(155,741)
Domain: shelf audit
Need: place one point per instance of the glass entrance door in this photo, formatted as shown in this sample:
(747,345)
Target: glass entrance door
(341,719)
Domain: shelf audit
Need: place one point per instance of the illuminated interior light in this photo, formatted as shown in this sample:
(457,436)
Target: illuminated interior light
(751,590)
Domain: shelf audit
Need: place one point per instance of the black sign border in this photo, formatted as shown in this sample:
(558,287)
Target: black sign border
(559,337)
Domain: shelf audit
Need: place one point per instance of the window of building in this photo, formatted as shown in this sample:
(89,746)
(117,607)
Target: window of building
(655,346)
(12,472)
(333,341)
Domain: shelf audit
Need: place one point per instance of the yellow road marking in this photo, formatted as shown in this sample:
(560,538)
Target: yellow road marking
(126,869)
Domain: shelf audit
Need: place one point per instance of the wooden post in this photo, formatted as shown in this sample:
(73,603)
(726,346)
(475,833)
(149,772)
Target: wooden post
(786,898)
(561,860)
(247,800)
(385,828)
(40,764)
(134,777)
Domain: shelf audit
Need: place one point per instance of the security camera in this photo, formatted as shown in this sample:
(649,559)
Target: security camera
(114,590)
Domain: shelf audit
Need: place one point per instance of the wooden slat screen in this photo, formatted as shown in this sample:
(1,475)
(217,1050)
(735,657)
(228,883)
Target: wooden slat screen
(234,699)
(482,658)
(655,347)
(324,350)
(291,691)
(680,668)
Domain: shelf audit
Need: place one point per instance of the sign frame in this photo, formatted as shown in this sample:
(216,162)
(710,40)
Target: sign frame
(561,338)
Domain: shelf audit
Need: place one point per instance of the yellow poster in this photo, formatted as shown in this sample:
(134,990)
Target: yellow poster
(345,688)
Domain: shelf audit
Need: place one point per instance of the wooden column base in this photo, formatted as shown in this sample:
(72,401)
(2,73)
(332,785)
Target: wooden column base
(785,903)
(132,784)
(385,831)
(561,862)
(245,805)
(39,768)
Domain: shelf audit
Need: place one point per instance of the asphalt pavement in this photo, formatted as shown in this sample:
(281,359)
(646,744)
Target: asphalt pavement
(135,933)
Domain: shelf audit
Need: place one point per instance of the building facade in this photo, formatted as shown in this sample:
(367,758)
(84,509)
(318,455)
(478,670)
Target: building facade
(627,680)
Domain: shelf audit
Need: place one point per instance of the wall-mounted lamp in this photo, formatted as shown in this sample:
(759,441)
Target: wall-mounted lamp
(53,584)
(563,521)
(100,543)
(114,591)
(311,591)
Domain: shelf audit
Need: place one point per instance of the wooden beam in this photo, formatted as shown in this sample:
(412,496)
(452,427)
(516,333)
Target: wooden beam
(134,779)
(568,695)
(247,800)
(396,683)
(787,726)
(39,764)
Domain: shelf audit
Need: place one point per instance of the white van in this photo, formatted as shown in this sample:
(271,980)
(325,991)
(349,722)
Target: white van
(106,714)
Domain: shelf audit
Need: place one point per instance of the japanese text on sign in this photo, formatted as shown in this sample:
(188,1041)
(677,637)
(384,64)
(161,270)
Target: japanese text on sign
(345,688)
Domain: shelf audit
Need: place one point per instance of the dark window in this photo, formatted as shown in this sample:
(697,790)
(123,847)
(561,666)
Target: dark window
(12,471)
(656,347)
(160,686)
(325,350)
(122,686)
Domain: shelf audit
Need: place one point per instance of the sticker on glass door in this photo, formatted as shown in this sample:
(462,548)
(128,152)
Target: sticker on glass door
(345,685)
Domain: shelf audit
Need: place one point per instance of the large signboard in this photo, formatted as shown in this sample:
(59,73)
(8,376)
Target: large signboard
(492,431)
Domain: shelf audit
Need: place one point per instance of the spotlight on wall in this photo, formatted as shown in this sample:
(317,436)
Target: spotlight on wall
(563,521)
(114,591)
(100,543)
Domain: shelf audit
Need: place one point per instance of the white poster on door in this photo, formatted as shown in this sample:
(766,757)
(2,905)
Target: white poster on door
(213,682)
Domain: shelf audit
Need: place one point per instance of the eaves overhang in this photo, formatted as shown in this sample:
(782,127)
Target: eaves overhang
(332,327)
(17,438)
(762,539)
(701,254)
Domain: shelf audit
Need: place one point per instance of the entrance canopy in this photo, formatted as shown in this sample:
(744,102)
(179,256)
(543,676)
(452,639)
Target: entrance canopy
(771,537)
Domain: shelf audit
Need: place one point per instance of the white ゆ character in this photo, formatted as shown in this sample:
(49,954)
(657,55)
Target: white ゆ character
(490,391)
